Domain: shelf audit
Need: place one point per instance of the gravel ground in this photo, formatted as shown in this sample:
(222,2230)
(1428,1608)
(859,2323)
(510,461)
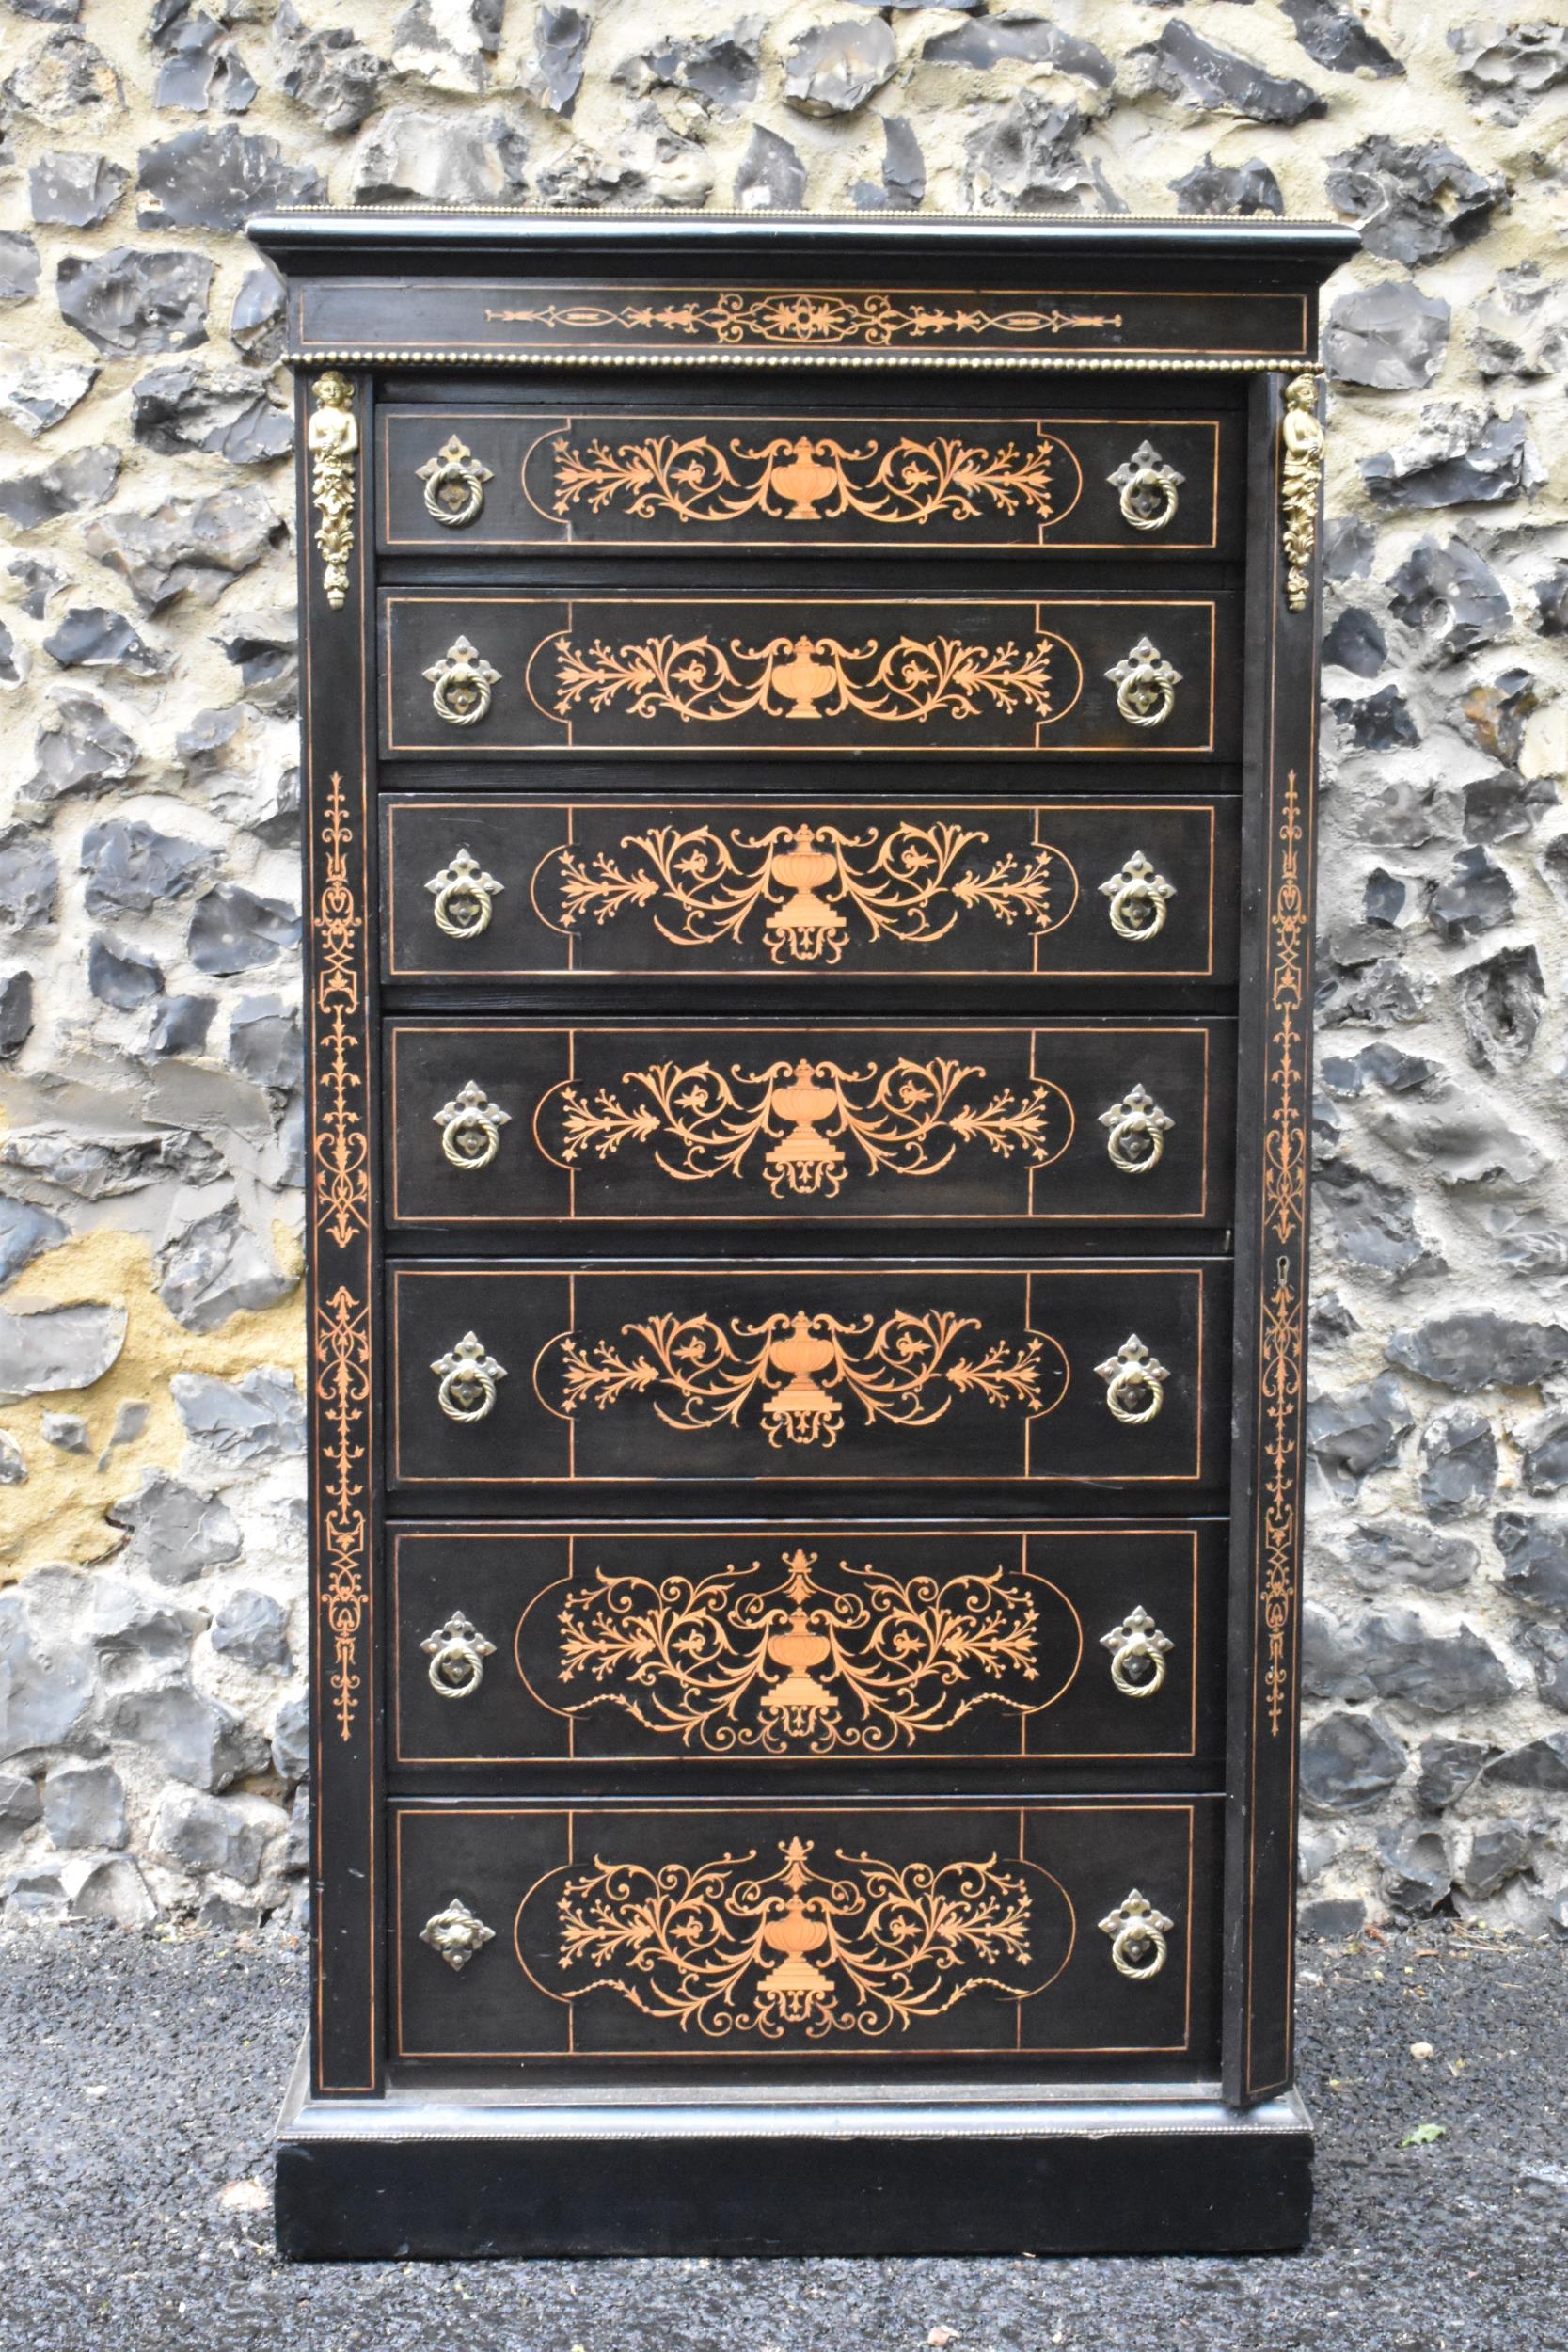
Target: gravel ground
(141,2075)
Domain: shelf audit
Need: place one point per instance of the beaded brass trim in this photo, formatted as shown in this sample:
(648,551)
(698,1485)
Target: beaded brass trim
(406,355)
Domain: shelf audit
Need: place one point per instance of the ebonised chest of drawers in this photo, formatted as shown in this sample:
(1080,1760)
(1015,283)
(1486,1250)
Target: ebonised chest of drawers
(809,731)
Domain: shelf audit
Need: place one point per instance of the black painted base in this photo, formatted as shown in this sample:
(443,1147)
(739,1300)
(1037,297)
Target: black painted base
(432,2179)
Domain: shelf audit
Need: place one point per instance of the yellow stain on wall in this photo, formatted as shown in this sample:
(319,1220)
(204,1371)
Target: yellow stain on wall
(58,1512)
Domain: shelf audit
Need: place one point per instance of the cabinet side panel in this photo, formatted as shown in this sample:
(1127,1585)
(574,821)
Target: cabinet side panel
(336,603)
(1274,1096)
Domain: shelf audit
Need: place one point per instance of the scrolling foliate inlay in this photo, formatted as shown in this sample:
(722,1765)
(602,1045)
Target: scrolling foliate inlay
(799,1373)
(858,1659)
(806,1124)
(341,1150)
(1283,1334)
(343,1378)
(863,1947)
(812,479)
(872,321)
(805,889)
(807,678)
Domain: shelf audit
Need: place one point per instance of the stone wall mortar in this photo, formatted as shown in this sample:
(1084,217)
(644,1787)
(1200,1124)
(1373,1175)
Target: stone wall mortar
(152,1630)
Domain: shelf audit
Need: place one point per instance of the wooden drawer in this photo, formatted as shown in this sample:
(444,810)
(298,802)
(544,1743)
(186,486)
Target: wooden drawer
(810,890)
(803,1644)
(765,1933)
(495,674)
(516,1123)
(519,1378)
(498,479)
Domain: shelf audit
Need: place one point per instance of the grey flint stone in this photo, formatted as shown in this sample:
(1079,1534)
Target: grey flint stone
(1481,1350)
(1332,1920)
(448,43)
(771,176)
(15,660)
(206,1835)
(1355,642)
(1494,1854)
(225,413)
(45,1689)
(215,179)
(1200,73)
(1496,710)
(216,1267)
(1535,1550)
(1349,546)
(1418,1872)
(1026,156)
(1478,897)
(191,1737)
(1540,1764)
(1459,1463)
(1333,35)
(722,73)
(253,1628)
(186,546)
(19,266)
(1414,204)
(200,69)
(131,301)
(65,79)
(1396,1655)
(246,1422)
(330,74)
(264,647)
(44,1349)
(67,189)
(1381,1065)
(832,69)
(1448,1769)
(1500,1004)
(1458,457)
(26,1234)
(234,931)
(37,579)
(559,46)
(1391,336)
(94,637)
(20,1808)
(1373,1223)
(1453,596)
(83,1804)
(1525,331)
(291,1741)
(64,488)
(256,321)
(1510,66)
(176,1534)
(264,1041)
(1376,722)
(1358,1431)
(1544,1461)
(38,392)
(1227,190)
(181,1024)
(95,1167)
(118,977)
(49,11)
(67,1431)
(13,1464)
(29,879)
(132,867)
(902,184)
(409,156)
(296,1853)
(1349,1763)
(107,1888)
(985,41)
(1500,807)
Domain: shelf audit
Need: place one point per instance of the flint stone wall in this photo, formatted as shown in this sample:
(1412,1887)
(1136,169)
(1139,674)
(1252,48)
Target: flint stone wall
(152,1629)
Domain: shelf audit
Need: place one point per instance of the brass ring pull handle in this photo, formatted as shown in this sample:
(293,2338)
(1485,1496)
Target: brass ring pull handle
(456,1934)
(1137,1934)
(1135,1382)
(1148,488)
(1146,685)
(457,1654)
(1138,1653)
(471,1127)
(455,481)
(1138,1128)
(462,681)
(468,1379)
(1139,897)
(465,898)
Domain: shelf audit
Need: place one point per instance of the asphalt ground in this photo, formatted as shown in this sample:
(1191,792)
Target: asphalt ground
(141,2075)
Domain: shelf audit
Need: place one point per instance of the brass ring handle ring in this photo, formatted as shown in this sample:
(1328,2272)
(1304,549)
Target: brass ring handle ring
(474,1138)
(453,897)
(456,1670)
(1128,1383)
(1149,497)
(442,479)
(1149,919)
(468,1392)
(462,697)
(1144,698)
(1135,1936)
(1145,1136)
(1137,1649)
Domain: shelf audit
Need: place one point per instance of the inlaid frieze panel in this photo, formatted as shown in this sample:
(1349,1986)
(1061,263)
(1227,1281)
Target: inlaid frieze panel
(513,1376)
(688,1932)
(516,1122)
(810,890)
(497,673)
(500,477)
(801,1643)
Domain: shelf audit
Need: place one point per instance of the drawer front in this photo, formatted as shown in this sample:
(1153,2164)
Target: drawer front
(928,1376)
(515,1122)
(758,1932)
(494,674)
(799,1644)
(810,890)
(495,479)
